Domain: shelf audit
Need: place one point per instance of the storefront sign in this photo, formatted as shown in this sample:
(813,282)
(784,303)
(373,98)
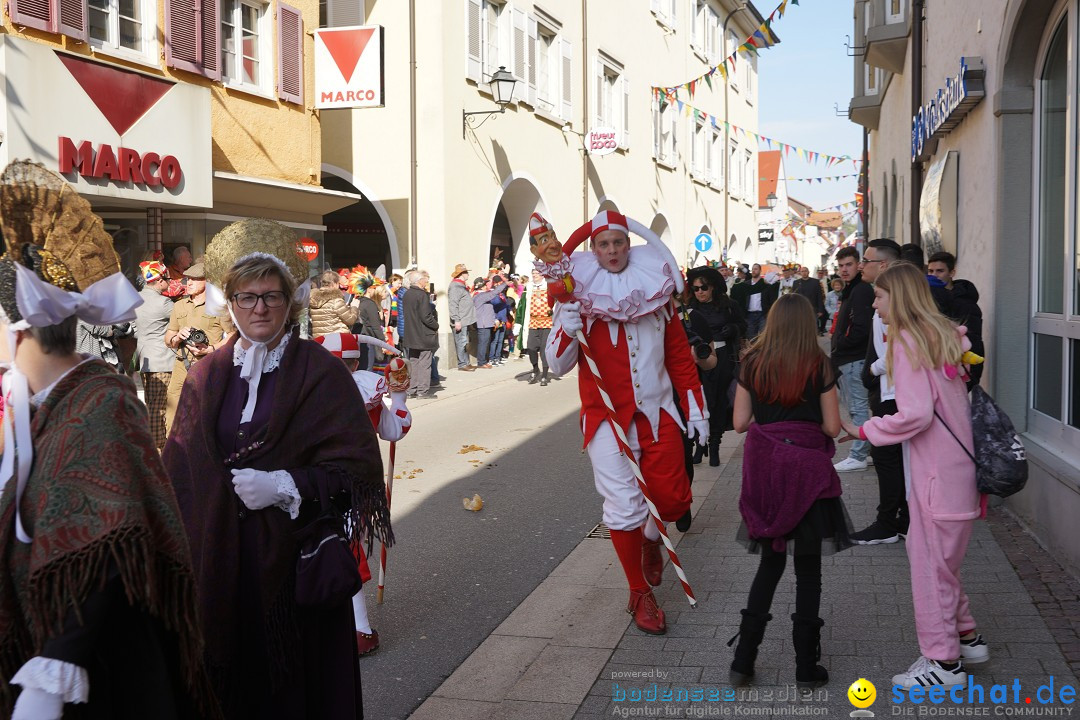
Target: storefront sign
(766,234)
(307,248)
(601,141)
(948,107)
(349,67)
(110,131)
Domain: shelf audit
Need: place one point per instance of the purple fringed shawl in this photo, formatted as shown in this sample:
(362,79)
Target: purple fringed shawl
(786,467)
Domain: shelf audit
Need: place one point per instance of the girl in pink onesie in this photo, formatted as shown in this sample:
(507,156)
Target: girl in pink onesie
(923,360)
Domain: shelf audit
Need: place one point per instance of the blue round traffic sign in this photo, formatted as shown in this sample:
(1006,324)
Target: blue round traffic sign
(703,242)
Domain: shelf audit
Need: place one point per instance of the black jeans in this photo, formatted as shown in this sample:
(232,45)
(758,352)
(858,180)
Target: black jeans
(771,569)
(892,509)
(536,341)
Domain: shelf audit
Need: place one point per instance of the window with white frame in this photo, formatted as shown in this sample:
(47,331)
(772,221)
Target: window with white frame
(122,25)
(497,42)
(1054,411)
(713,37)
(894,11)
(749,67)
(244,36)
(612,97)
(548,72)
(698,150)
(666,11)
(664,129)
(870,79)
(733,45)
(716,153)
(734,171)
(697,24)
(749,183)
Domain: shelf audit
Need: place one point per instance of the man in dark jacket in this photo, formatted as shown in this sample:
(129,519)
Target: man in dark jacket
(964,308)
(914,254)
(853,323)
(421,330)
(811,289)
(754,299)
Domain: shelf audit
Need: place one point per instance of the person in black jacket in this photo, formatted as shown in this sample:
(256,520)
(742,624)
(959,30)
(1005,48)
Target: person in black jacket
(421,330)
(914,254)
(812,290)
(849,340)
(965,305)
(727,327)
(755,298)
(891,522)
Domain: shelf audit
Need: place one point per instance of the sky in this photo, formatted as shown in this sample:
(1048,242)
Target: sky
(799,81)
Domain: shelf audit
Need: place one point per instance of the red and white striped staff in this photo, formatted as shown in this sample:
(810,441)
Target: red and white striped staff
(389,494)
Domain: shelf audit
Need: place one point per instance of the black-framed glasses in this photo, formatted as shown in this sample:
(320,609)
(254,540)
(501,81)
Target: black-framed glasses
(700,288)
(247,301)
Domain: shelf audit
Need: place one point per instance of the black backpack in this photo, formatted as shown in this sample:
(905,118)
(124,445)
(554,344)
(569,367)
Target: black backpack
(1002,467)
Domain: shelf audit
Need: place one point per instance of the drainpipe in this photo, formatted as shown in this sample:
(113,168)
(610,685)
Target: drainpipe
(585,217)
(412,136)
(727,140)
(864,183)
(916,102)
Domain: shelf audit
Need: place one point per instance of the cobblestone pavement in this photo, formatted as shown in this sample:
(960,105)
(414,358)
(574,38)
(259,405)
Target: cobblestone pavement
(1026,607)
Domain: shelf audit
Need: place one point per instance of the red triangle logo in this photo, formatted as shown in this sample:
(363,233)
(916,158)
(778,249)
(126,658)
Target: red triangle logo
(346,47)
(122,96)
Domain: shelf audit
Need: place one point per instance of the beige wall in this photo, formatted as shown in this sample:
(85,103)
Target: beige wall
(520,157)
(252,135)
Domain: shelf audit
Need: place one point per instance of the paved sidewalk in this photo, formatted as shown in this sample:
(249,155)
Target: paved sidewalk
(569,650)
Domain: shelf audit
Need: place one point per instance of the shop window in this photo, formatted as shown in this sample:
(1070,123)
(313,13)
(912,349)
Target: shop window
(1055,322)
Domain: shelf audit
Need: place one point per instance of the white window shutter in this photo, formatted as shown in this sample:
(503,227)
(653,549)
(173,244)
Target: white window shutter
(625,112)
(344,13)
(530,59)
(654,6)
(598,92)
(519,46)
(695,41)
(567,81)
(657,131)
(474,17)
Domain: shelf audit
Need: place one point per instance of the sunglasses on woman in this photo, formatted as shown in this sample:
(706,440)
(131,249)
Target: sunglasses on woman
(700,288)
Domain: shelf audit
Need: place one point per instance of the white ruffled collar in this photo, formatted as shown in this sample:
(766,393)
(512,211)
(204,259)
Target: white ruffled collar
(644,287)
(272,359)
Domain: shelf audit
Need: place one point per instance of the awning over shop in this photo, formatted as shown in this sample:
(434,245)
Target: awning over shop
(276,198)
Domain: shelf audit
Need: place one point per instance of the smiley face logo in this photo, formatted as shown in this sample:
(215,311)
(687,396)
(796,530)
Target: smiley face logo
(862,693)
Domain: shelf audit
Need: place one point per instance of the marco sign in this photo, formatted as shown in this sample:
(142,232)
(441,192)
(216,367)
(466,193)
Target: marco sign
(947,108)
(349,67)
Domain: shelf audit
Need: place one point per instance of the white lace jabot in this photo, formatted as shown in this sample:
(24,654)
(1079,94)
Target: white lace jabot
(273,358)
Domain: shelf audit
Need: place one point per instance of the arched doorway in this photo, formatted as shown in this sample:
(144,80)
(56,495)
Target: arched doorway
(509,241)
(359,234)
(662,228)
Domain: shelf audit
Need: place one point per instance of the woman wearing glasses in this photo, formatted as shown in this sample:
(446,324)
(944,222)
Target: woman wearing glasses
(709,296)
(269,428)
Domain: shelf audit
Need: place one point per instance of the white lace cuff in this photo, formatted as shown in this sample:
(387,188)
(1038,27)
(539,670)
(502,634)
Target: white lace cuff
(286,488)
(56,677)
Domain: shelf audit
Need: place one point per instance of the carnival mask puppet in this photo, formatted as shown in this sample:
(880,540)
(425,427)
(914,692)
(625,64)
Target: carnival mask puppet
(542,241)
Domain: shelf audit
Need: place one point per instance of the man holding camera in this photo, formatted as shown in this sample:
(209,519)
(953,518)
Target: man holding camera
(192,334)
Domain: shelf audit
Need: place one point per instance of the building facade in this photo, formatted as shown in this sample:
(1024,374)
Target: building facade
(173,119)
(971,112)
(446,188)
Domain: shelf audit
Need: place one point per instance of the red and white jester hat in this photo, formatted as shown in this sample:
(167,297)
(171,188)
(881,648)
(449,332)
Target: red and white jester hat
(608,220)
(340,345)
(538,225)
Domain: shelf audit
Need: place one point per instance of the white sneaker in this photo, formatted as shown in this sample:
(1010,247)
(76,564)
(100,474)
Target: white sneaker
(850,465)
(926,673)
(975,650)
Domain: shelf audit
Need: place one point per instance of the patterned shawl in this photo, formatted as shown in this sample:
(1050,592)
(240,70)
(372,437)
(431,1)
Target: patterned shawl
(97,497)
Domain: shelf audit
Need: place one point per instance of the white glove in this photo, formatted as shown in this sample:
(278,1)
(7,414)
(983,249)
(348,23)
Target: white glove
(34,704)
(517,329)
(698,430)
(257,489)
(878,367)
(570,318)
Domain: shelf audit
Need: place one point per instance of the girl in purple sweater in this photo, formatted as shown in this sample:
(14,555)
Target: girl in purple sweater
(790,501)
(923,361)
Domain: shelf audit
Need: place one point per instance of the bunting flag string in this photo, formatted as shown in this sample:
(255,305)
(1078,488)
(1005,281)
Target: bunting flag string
(761,39)
(827,178)
(810,156)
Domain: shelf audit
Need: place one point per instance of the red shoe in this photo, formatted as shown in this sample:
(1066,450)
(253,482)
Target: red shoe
(652,562)
(366,643)
(647,614)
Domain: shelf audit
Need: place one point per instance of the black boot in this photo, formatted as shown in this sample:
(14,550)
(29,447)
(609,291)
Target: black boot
(535,377)
(751,632)
(544,379)
(699,452)
(806,636)
(714,452)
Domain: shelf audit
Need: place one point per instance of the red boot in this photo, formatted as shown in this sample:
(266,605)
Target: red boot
(647,614)
(652,562)
(366,643)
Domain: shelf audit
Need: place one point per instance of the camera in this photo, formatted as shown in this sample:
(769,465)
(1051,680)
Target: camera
(197,337)
(701,349)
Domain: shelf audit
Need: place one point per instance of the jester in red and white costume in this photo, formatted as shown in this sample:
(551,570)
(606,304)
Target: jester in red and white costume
(384,399)
(620,297)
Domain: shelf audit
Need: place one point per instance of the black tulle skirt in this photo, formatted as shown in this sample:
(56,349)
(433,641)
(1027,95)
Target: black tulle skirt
(825,529)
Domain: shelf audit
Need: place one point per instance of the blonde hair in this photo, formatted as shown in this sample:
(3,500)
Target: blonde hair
(378,293)
(912,309)
(254,269)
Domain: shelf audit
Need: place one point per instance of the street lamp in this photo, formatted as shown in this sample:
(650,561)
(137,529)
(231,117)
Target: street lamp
(770,200)
(502,90)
